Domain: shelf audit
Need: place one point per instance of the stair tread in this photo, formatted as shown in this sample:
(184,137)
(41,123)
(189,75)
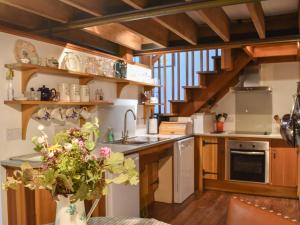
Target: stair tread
(208,72)
(178,101)
(195,86)
(168,114)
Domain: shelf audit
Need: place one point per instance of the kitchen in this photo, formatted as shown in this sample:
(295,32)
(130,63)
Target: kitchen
(199,126)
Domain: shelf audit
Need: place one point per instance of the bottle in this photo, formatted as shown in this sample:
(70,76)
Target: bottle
(101,94)
(10,90)
(110,135)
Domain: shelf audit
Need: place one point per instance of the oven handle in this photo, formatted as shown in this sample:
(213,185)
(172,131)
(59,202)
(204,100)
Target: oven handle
(247,153)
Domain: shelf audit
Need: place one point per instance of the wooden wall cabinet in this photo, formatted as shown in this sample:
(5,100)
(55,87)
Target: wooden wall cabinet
(284,166)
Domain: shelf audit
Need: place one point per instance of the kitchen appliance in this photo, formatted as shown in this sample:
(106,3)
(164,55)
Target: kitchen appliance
(248,161)
(183,169)
(152,125)
(179,128)
(124,200)
(203,123)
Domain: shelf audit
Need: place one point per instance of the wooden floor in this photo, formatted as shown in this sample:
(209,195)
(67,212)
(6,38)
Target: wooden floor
(210,208)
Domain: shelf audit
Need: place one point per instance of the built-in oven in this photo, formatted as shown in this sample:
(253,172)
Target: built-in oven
(248,161)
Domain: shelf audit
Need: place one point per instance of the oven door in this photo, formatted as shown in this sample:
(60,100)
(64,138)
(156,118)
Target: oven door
(248,165)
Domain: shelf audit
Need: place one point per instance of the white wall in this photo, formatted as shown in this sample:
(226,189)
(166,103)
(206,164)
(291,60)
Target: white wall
(281,77)
(11,117)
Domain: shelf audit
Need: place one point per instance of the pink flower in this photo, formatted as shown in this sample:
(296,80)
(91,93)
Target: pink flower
(105,152)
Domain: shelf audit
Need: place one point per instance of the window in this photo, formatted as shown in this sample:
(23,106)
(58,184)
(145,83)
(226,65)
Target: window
(176,70)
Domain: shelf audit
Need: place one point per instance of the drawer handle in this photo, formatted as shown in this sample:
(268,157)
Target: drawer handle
(204,173)
(209,143)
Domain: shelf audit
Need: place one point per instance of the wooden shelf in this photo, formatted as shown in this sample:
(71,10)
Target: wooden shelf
(28,70)
(28,102)
(29,107)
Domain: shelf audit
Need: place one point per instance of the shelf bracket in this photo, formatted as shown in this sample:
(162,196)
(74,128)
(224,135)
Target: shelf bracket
(84,81)
(27,111)
(26,75)
(120,87)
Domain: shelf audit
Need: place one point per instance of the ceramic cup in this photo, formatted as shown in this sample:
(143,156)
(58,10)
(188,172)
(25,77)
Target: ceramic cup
(42,114)
(84,93)
(84,113)
(64,91)
(75,92)
(58,114)
(72,114)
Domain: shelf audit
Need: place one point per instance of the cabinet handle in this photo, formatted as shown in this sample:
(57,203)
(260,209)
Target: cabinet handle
(209,143)
(274,155)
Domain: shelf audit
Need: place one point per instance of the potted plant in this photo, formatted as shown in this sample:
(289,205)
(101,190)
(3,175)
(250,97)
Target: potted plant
(73,171)
(220,119)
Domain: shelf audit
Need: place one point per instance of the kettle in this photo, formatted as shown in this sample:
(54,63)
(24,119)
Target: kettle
(120,68)
(152,125)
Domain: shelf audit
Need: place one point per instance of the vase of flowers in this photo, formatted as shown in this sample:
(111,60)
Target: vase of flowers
(73,170)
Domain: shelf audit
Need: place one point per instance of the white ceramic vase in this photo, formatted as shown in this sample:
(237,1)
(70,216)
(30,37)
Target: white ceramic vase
(68,213)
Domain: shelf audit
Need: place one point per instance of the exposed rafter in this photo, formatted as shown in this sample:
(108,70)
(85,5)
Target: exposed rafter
(29,21)
(179,24)
(144,29)
(231,44)
(163,10)
(216,19)
(58,12)
(257,15)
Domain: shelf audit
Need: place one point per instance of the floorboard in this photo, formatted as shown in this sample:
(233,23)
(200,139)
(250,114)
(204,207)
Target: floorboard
(210,208)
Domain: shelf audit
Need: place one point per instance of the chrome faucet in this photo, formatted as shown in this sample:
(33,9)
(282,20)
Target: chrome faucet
(125,131)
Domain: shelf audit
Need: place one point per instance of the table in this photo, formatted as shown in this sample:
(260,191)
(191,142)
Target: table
(123,221)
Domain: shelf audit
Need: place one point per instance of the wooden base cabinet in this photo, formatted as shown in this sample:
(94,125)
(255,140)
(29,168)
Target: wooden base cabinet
(209,153)
(284,166)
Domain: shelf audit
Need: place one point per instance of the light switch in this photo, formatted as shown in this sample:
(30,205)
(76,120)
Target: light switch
(13,134)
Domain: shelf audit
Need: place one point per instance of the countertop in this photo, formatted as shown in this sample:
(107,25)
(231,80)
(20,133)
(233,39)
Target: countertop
(233,134)
(126,149)
(131,149)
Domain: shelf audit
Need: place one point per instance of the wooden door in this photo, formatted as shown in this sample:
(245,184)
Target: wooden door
(209,149)
(284,166)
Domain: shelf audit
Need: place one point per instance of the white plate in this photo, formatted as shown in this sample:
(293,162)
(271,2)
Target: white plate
(71,62)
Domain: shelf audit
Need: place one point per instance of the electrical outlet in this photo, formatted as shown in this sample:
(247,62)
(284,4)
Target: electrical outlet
(13,134)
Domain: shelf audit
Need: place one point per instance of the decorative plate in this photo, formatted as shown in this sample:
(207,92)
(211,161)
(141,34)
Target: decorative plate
(25,51)
(71,62)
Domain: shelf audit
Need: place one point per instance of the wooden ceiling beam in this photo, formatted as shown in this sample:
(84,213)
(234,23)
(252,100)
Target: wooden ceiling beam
(144,29)
(231,44)
(57,11)
(216,19)
(257,15)
(118,34)
(284,49)
(179,24)
(29,21)
(146,13)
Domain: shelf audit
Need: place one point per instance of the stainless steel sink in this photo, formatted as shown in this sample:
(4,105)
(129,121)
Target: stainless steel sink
(142,140)
(130,142)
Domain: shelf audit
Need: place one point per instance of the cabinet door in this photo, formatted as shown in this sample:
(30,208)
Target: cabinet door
(284,167)
(209,147)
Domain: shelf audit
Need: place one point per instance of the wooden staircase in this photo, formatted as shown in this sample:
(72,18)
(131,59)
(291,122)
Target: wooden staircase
(212,85)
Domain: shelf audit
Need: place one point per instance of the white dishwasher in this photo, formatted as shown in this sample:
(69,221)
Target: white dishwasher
(124,200)
(183,169)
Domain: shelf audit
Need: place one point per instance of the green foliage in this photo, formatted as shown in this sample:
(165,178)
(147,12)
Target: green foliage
(70,167)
